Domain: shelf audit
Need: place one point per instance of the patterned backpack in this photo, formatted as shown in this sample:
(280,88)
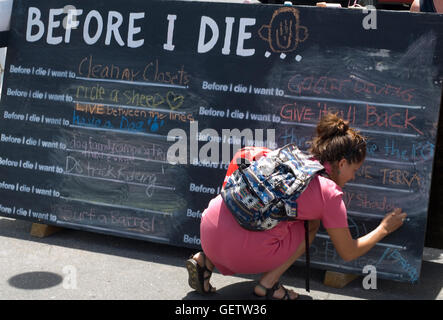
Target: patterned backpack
(264,192)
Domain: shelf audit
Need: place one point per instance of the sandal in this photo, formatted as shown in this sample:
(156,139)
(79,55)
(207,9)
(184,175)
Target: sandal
(269,292)
(196,274)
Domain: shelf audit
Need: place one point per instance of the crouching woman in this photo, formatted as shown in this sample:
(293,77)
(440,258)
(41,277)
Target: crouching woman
(233,249)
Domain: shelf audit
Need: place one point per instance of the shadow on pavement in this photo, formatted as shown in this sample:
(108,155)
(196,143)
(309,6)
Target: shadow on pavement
(35,280)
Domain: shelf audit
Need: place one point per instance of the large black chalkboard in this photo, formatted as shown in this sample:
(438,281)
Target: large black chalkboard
(93,90)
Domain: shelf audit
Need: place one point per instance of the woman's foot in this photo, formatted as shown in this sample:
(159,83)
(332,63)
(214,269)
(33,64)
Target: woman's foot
(206,264)
(200,270)
(276,292)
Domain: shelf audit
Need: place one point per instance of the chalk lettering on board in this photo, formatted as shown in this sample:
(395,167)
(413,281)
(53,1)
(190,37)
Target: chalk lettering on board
(151,74)
(347,86)
(91,147)
(109,109)
(395,255)
(111,156)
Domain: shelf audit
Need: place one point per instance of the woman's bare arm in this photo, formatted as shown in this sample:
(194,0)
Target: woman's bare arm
(350,249)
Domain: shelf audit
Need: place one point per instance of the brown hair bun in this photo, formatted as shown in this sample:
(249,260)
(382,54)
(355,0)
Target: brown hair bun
(331,125)
(335,140)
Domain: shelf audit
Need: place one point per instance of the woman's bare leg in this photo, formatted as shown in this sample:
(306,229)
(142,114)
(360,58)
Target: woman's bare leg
(200,260)
(269,279)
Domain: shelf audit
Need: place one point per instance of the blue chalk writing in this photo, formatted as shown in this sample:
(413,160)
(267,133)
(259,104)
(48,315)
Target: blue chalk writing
(124,123)
(398,258)
(91,122)
(417,151)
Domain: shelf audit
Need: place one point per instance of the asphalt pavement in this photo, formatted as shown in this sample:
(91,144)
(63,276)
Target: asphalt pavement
(80,265)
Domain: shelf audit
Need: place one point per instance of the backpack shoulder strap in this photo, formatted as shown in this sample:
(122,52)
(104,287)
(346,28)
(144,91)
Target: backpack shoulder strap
(244,156)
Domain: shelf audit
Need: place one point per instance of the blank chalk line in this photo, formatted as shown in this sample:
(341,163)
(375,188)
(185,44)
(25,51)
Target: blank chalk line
(392,161)
(117,206)
(382,160)
(380,244)
(136,83)
(393,246)
(360,185)
(117,156)
(120,181)
(390,105)
(368,215)
(312,125)
(409,135)
(129,107)
(350,268)
(364,215)
(110,231)
(87,127)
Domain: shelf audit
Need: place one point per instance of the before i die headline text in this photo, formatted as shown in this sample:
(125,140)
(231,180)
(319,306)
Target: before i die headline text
(96,27)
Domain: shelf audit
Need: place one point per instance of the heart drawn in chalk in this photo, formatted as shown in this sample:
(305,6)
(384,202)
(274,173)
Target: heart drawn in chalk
(174,101)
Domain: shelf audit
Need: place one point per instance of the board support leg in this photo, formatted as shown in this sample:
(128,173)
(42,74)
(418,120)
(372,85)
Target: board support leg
(43,230)
(338,279)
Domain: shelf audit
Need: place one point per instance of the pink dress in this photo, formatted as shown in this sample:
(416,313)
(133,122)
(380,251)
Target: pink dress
(235,250)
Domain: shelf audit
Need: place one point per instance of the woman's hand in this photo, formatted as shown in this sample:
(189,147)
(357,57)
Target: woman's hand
(393,220)
(350,249)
